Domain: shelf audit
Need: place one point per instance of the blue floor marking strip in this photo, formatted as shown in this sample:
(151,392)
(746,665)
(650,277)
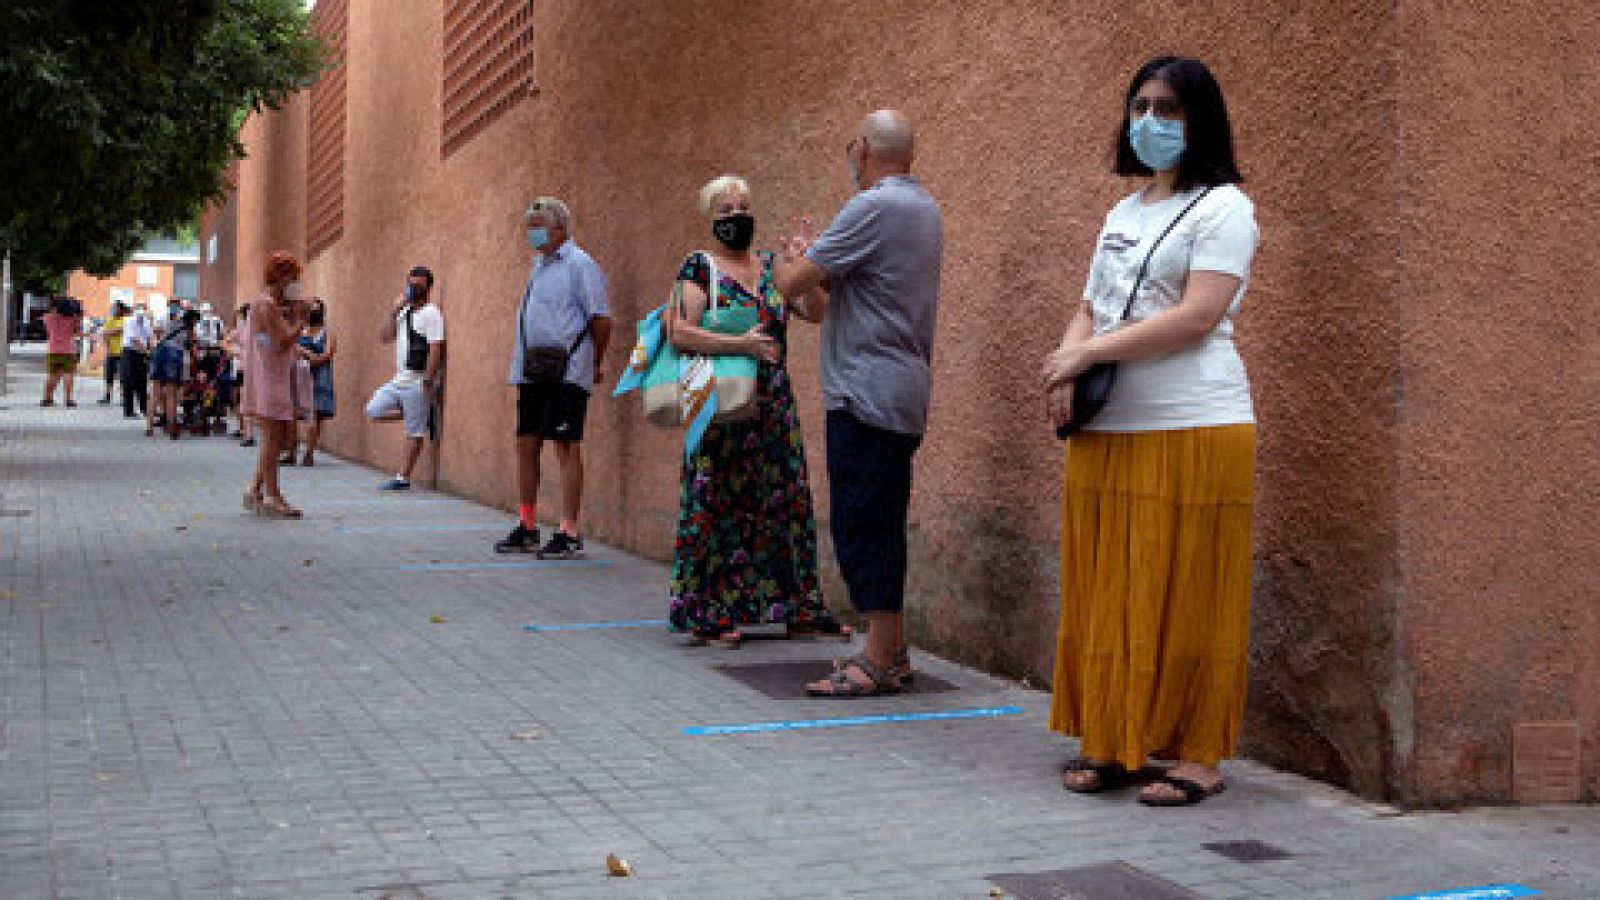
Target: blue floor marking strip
(403,529)
(803,724)
(1484,892)
(594,626)
(470,566)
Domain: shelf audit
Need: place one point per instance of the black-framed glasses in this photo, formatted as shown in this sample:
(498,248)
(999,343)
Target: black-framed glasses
(1163,107)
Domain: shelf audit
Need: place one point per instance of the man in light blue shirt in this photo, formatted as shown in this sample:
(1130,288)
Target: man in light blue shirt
(563,328)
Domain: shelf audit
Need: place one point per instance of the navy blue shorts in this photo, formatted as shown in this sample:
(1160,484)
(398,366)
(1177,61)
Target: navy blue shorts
(869,481)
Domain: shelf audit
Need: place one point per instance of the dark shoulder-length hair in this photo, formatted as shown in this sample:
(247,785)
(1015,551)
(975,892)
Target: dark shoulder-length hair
(1208,151)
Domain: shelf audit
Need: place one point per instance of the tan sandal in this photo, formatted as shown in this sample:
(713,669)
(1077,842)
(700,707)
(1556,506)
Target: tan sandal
(276,508)
(252,502)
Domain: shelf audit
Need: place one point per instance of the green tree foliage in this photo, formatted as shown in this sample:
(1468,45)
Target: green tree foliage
(122,117)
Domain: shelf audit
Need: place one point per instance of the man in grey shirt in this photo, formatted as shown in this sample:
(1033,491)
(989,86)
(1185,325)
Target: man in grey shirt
(879,263)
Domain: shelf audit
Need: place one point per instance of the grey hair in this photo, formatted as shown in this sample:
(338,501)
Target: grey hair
(720,185)
(550,206)
(889,135)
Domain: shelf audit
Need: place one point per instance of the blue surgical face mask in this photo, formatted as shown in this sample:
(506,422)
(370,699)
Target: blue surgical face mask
(538,237)
(1157,142)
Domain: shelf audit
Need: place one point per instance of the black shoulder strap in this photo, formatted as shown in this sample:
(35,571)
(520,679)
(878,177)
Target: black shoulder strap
(1145,266)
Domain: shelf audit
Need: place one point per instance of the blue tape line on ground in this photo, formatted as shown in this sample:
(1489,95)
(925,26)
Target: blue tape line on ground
(1484,892)
(469,566)
(400,500)
(802,724)
(592,626)
(403,529)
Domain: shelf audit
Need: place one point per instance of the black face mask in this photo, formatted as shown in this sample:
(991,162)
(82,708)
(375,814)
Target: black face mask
(735,231)
(316,318)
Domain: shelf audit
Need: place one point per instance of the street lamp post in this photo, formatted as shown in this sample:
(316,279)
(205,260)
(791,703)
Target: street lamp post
(5,321)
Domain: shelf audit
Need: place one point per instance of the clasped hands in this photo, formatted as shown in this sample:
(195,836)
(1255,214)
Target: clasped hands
(1064,364)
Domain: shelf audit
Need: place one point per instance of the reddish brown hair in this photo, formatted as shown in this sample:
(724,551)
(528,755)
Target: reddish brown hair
(281,269)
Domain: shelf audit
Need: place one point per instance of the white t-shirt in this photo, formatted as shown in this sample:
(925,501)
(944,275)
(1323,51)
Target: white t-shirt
(429,323)
(1201,385)
(208,331)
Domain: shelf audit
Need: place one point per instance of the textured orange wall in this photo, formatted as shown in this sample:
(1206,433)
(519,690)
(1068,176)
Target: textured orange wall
(1371,577)
(1501,415)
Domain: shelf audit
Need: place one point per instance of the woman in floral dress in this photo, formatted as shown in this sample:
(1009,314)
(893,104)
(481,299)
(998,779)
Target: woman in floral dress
(746,550)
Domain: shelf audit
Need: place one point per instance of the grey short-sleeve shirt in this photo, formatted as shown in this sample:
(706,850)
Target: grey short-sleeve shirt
(563,293)
(882,256)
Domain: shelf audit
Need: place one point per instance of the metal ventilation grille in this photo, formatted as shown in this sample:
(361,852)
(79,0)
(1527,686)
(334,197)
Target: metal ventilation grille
(488,65)
(325,156)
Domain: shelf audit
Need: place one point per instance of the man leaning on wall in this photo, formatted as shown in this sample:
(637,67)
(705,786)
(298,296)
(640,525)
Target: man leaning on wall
(562,329)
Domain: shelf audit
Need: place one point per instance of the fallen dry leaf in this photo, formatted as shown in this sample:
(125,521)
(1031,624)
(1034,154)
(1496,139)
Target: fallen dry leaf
(529,735)
(618,867)
(436,619)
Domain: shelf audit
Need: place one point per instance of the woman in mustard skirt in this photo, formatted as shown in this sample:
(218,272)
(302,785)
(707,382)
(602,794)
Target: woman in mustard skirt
(1151,659)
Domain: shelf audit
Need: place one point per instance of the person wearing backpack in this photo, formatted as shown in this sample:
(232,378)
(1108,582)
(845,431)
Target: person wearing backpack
(172,363)
(416,327)
(563,328)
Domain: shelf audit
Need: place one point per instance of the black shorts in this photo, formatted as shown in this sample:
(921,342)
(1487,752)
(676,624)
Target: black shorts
(554,412)
(869,481)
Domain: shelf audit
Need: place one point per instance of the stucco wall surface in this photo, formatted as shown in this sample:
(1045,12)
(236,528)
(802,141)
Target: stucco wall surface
(1369,492)
(1500,415)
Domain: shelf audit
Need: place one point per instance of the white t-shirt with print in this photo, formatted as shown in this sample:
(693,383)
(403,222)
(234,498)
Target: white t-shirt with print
(429,323)
(1200,385)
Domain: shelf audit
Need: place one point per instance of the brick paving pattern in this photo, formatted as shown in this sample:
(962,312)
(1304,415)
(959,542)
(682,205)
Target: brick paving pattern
(198,703)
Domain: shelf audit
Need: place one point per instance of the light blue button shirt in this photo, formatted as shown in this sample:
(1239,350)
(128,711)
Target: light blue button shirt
(564,291)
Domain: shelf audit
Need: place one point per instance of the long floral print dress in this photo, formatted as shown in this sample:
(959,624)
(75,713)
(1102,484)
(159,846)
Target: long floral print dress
(747,539)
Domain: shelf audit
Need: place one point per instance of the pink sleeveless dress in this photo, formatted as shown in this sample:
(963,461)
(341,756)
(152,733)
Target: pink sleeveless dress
(267,370)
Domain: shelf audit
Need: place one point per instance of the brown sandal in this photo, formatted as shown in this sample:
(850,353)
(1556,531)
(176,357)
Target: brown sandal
(840,684)
(277,508)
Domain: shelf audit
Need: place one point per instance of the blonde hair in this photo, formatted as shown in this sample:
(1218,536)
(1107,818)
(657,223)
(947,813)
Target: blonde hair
(720,185)
(553,208)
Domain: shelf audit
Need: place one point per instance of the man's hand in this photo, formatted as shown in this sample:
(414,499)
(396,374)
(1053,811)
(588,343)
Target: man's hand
(797,238)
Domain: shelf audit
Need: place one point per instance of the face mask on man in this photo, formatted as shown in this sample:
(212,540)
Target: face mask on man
(1157,142)
(735,231)
(316,317)
(416,293)
(538,237)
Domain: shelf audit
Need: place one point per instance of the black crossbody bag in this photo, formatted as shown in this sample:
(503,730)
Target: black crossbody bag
(545,365)
(1092,388)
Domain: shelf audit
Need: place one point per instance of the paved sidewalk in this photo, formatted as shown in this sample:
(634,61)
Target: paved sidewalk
(198,703)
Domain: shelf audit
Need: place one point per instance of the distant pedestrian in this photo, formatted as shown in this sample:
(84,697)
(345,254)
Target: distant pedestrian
(171,364)
(880,261)
(62,324)
(111,340)
(138,336)
(746,550)
(237,348)
(270,332)
(318,347)
(1152,657)
(416,327)
(562,330)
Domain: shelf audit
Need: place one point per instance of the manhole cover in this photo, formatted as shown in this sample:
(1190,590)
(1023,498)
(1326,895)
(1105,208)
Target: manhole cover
(1248,851)
(1105,881)
(787,680)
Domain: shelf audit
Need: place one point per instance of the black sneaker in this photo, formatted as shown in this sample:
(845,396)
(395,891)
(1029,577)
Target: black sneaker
(520,540)
(562,546)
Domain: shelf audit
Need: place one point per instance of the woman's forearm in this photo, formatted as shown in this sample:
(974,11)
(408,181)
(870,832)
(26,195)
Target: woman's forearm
(694,339)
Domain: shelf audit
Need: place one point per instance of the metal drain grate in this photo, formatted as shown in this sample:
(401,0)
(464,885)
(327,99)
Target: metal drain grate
(1104,881)
(787,680)
(1248,851)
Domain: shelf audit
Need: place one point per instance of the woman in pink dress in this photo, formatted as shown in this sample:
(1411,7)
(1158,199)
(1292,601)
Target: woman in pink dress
(269,334)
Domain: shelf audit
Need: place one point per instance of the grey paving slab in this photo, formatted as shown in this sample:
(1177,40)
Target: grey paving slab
(198,703)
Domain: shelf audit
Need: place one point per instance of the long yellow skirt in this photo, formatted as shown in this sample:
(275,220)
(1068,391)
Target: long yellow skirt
(1155,593)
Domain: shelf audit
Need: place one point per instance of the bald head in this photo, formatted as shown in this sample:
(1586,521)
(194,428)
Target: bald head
(889,136)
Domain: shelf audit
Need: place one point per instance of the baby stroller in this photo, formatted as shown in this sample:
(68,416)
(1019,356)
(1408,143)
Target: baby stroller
(204,401)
